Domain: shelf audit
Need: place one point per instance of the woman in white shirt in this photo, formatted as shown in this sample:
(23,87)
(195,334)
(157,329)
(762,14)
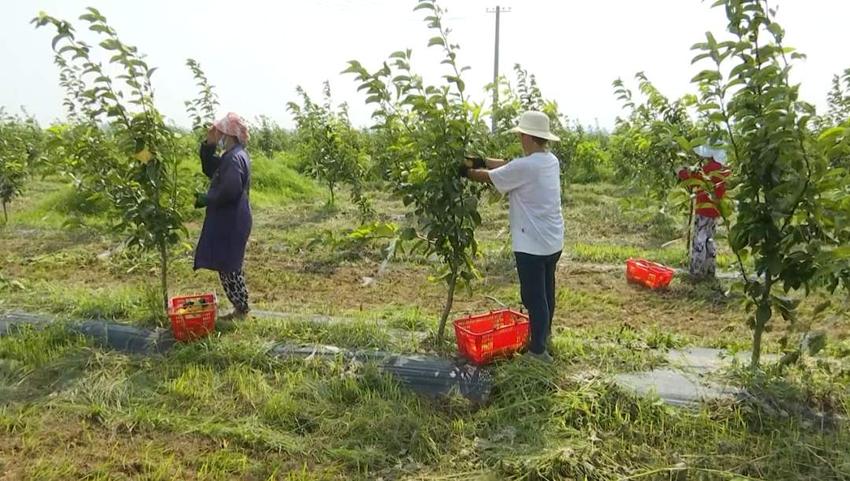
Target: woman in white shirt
(533,186)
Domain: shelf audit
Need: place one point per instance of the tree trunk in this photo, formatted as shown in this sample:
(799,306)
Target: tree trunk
(331,188)
(448,307)
(5,214)
(163,273)
(756,357)
(689,234)
(758,329)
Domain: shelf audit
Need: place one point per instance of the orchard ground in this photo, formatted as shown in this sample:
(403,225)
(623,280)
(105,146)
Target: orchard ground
(221,409)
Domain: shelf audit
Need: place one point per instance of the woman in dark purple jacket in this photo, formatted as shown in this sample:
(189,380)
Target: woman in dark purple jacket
(227,224)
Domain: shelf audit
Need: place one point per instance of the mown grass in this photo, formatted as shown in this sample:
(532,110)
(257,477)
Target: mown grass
(223,409)
(291,266)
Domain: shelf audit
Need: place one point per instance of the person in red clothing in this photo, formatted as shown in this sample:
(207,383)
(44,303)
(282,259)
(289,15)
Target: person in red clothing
(712,173)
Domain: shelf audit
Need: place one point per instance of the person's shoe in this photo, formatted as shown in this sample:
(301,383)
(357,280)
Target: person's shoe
(229,320)
(235,316)
(544,357)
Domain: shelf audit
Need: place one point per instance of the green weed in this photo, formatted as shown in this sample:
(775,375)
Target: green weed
(276,181)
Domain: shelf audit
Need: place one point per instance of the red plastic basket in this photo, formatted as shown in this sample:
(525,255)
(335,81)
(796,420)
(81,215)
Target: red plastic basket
(483,337)
(648,274)
(188,326)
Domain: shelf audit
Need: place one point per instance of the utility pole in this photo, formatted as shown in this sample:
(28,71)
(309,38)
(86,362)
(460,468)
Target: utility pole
(498,11)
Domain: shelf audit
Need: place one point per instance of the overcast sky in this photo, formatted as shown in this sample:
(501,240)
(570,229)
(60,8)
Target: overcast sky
(257,52)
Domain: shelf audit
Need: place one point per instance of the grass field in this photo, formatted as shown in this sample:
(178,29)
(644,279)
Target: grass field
(221,409)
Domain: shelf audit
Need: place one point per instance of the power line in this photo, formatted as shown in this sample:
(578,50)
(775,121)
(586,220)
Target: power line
(498,11)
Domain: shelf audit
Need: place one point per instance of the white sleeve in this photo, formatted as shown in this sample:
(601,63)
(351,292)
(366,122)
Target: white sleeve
(510,176)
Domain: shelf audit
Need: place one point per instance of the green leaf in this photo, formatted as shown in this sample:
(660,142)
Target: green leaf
(57,38)
(700,57)
(774,265)
(712,42)
(776,30)
(832,133)
(683,143)
(726,207)
(814,342)
(763,313)
(353,67)
(99,28)
(436,41)
(96,13)
(426,4)
(707,76)
(110,44)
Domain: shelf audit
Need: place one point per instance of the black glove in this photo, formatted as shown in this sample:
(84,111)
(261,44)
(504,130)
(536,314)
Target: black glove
(475,162)
(200,200)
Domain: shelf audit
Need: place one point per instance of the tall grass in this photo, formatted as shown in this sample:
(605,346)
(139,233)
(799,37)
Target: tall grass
(276,180)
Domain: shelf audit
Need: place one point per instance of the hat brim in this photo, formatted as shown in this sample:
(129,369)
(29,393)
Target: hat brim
(703,151)
(536,133)
(715,153)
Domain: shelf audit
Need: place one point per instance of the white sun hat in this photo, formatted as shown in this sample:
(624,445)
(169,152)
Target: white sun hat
(535,124)
(716,153)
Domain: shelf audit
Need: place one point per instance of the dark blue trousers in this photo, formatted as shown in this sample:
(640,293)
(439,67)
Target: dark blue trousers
(537,290)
